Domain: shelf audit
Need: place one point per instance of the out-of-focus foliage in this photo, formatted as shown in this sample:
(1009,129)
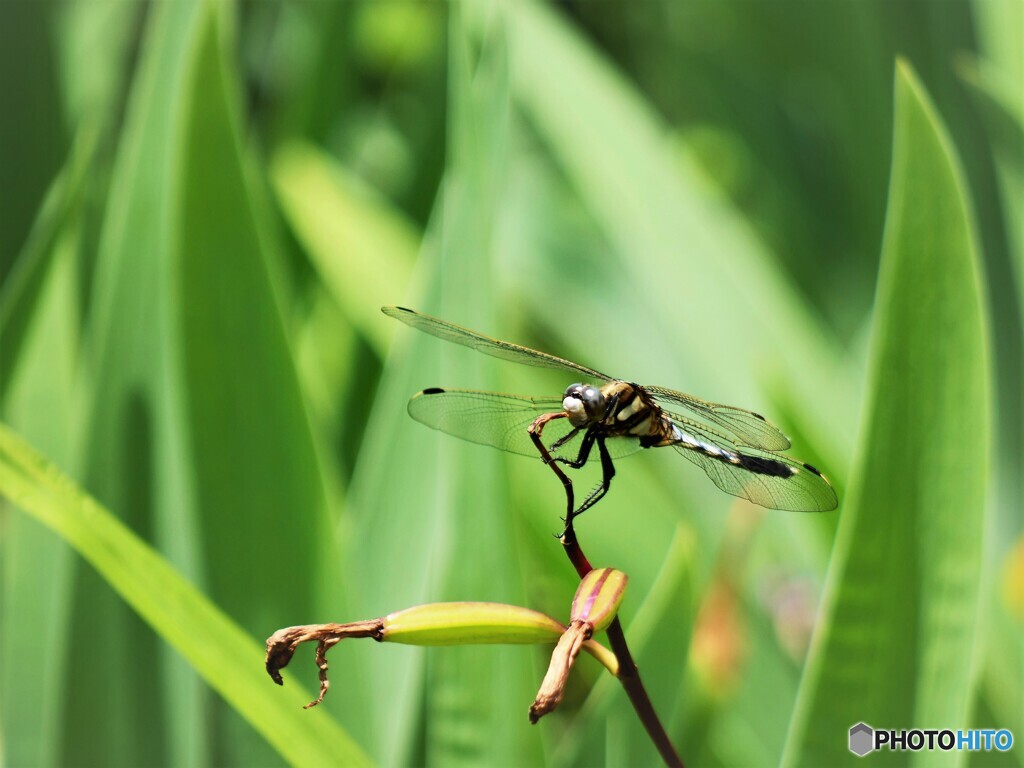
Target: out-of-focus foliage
(923,454)
(205,205)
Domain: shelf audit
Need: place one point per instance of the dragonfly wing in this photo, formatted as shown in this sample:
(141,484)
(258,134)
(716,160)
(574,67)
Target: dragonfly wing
(748,428)
(801,490)
(500,420)
(765,478)
(503,349)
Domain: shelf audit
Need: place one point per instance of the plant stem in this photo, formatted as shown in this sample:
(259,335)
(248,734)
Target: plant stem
(573,551)
(629,675)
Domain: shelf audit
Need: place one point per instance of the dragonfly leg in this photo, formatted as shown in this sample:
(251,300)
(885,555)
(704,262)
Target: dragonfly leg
(584,453)
(607,473)
(536,430)
(562,441)
(607,467)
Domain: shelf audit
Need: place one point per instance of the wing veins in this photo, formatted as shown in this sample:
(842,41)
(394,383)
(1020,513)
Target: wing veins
(748,428)
(504,350)
(803,491)
(500,420)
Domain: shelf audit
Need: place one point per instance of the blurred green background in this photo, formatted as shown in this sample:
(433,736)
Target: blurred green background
(205,205)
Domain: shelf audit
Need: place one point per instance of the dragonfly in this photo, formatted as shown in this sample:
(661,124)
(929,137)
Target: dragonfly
(738,449)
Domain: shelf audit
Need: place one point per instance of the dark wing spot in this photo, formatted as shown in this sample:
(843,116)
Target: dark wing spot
(762,418)
(812,469)
(433,391)
(763,466)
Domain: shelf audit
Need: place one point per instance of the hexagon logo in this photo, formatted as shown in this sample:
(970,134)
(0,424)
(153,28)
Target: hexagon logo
(862,739)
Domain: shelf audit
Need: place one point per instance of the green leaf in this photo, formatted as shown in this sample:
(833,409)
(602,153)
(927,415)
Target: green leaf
(35,566)
(895,645)
(251,446)
(19,292)
(96,39)
(361,246)
(446,529)
(197,434)
(130,444)
(1002,108)
(999,35)
(227,658)
(32,142)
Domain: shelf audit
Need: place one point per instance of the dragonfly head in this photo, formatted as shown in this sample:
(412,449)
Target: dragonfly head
(584,404)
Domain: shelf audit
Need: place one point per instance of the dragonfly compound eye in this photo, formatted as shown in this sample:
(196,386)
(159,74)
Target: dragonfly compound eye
(575,404)
(583,403)
(593,401)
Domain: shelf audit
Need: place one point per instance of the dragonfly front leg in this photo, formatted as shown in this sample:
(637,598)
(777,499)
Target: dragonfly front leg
(557,445)
(536,430)
(584,453)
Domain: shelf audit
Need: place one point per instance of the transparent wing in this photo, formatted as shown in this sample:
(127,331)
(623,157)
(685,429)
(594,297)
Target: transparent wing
(748,428)
(500,420)
(765,478)
(503,349)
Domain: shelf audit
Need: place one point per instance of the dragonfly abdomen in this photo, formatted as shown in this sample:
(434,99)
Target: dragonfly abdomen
(756,464)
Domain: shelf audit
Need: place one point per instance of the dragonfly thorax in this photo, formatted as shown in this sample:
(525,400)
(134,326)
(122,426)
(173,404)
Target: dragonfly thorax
(584,404)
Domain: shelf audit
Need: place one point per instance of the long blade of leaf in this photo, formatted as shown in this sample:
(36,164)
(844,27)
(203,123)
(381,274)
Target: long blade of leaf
(226,657)
(35,566)
(895,643)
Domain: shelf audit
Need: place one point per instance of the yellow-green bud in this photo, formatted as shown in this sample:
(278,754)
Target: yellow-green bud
(469,624)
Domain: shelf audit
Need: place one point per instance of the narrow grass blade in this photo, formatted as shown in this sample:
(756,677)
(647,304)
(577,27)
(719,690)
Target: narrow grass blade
(226,657)
(895,645)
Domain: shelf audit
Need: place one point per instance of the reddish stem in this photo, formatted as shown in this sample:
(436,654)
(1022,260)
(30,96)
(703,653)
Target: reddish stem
(629,675)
